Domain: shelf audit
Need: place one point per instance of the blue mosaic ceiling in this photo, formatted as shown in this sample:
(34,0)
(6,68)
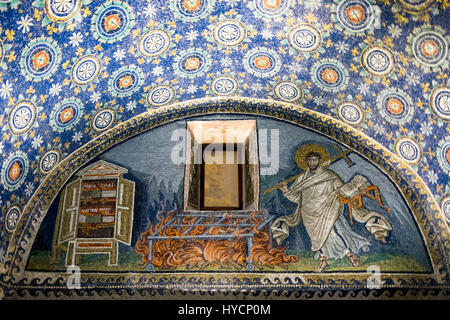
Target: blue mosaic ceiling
(69,70)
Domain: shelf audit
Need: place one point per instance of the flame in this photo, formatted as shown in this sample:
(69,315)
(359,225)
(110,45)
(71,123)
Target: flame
(169,253)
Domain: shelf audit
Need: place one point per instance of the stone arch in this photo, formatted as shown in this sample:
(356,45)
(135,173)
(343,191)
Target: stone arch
(426,212)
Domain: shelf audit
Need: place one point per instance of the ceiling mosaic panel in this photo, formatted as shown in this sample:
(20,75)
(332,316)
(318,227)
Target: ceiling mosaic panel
(69,70)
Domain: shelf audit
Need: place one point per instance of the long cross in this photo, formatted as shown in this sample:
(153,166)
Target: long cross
(341,154)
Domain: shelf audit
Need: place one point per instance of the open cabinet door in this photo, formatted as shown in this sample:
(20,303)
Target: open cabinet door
(124,215)
(69,212)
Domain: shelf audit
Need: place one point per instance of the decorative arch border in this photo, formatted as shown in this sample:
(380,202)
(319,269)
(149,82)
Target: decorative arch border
(17,282)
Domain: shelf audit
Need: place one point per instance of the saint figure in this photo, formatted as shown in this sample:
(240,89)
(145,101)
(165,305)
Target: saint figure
(316,192)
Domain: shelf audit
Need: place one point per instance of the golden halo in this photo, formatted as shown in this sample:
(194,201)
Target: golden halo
(302,152)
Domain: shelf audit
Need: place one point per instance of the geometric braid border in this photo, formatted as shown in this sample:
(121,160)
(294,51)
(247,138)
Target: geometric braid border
(17,282)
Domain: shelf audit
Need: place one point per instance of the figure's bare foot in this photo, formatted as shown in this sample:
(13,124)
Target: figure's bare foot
(322,265)
(354,260)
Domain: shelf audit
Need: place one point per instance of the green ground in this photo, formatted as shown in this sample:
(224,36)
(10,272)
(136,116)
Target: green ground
(132,262)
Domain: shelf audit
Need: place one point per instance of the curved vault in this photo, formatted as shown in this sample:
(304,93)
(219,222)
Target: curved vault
(16,281)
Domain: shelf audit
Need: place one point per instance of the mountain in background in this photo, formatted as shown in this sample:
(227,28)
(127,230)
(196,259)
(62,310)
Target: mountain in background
(151,197)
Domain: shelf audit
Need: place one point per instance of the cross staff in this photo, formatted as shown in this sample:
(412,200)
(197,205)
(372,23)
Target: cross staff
(341,154)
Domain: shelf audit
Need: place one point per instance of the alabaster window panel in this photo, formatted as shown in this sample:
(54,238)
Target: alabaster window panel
(222,171)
